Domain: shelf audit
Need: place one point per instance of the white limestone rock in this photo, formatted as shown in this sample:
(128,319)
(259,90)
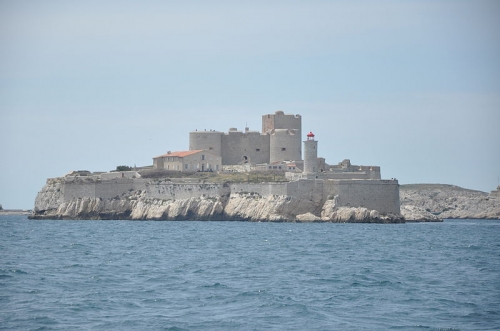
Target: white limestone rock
(50,197)
(414,213)
(448,201)
(308,217)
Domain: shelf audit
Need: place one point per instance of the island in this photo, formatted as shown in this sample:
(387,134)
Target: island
(271,175)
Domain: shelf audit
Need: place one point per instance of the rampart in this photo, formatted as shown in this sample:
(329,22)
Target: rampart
(94,187)
(177,191)
(380,195)
(262,189)
(311,194)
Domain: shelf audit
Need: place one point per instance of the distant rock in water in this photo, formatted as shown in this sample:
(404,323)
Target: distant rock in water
(439,201)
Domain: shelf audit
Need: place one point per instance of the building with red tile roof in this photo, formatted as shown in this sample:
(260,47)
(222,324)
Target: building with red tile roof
(195,160)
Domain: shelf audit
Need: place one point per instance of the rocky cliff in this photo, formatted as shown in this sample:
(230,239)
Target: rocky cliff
(433,201)
(147,200)
(140,205)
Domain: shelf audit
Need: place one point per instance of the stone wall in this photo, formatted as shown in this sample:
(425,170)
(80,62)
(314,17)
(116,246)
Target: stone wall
(380,195)
(165,190)
(118,174)
(262,189)
(91,187)
(123,198)
(237,145)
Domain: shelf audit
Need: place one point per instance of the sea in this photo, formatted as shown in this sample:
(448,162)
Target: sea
(192,275)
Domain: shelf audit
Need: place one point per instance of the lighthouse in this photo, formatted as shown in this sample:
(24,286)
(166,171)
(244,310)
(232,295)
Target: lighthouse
(310,155)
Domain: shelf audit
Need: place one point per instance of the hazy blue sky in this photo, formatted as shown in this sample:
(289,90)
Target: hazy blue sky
(411,86)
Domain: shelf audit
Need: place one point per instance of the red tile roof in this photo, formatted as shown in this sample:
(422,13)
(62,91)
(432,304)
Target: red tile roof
(180,153)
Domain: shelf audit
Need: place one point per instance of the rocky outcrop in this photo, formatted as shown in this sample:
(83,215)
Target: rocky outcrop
(419,202)
(139,205)
(437,201)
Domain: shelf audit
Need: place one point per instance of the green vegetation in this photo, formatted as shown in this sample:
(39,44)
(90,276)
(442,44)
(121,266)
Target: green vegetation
(123,168)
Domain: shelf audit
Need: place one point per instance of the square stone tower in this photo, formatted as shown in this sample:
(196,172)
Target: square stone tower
(280,120)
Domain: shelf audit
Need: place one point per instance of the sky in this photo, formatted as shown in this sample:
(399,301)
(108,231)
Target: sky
(410,86)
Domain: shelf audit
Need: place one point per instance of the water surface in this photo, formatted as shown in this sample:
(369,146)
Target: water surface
(125,275)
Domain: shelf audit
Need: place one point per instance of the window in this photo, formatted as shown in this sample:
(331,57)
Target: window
(283,149)
(257,149)
(203,156)
(186,166)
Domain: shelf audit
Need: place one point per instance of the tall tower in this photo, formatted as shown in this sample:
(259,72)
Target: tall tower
(310,154)
(285,136)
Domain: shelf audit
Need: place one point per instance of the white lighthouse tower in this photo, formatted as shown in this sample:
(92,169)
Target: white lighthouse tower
(310,156)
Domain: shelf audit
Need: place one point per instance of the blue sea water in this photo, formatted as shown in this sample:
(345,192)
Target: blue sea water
(125,275)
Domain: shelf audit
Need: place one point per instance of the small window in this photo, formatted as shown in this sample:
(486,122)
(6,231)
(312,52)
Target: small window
(186,166)
(283,149)
(257,149)
(202,156)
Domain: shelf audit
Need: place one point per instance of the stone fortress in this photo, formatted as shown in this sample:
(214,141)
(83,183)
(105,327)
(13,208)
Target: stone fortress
(280,140)
(314,190)
(277,147)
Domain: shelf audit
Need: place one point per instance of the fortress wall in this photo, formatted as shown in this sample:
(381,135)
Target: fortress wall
(253,145)
(176,191)
(306,188)
(104,189)
(75,189)
(263,189)
(285,145)
(118,187)
(373,172)
(380,195)
(119,174)
(209,140)
(344,175)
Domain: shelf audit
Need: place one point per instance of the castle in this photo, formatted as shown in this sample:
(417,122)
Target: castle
(313,191)
(277,147)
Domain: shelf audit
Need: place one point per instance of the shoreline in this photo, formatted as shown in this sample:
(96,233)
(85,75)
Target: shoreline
(15,212)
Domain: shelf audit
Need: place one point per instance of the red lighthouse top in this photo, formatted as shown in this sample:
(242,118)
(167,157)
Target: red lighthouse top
(310,136)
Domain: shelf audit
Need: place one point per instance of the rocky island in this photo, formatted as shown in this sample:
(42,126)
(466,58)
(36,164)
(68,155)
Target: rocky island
(283,179)
(252,176)
(439,201)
